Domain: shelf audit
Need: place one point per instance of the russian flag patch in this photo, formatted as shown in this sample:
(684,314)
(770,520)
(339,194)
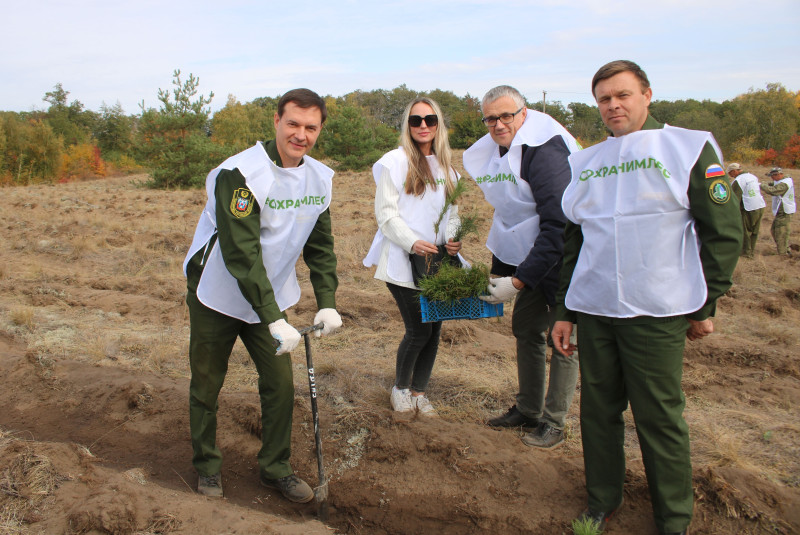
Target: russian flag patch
(714,171)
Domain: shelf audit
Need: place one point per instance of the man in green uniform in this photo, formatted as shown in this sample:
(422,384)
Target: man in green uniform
(751,206)
(783,206)
(652,243)
(265,207)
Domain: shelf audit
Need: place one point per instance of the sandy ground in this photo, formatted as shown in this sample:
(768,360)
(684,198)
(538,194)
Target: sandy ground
(93,410)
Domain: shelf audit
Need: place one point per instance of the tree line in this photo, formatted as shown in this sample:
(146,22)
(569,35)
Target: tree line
(179,142)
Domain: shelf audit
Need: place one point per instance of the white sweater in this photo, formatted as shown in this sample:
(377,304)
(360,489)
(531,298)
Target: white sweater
(395,229)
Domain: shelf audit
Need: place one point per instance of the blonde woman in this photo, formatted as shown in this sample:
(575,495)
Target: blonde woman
(412,184)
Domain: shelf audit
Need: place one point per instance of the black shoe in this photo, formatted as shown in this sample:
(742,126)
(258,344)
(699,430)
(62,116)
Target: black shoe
(684,532)
(513,418)
(292,487)
(210,486)
(598,518)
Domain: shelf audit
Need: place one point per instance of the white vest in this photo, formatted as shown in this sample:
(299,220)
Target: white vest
(418,212)
(751,194)
(787,198)
(640,254)
(291,200)
(516,224)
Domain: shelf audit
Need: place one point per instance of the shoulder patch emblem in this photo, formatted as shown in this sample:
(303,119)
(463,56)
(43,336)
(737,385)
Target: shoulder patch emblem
(242,202)
(719,191)
(714,170)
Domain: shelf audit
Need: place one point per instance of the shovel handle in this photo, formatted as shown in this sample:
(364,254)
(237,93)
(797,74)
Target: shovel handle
(304,331)
(312,328)
(321,492)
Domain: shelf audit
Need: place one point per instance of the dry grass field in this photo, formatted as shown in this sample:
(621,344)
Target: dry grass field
(94,431)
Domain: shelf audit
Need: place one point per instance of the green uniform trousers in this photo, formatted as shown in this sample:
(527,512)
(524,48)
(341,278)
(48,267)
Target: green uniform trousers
(751,225)
(621,361)
(529,323)
(781,227)
(211,342)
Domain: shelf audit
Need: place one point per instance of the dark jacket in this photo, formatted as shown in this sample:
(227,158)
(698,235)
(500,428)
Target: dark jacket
(546,169)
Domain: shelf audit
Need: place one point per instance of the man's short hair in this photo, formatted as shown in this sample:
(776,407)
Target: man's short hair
(615,67)
(303,98)
(503,91)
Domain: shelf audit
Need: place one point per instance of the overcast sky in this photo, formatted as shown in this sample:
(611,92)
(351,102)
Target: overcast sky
(110,52)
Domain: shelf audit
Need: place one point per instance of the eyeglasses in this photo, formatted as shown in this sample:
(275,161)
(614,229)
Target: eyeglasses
(505,118)
(416,120)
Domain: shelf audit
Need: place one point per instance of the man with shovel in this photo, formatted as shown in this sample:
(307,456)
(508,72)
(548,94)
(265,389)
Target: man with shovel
(266,206)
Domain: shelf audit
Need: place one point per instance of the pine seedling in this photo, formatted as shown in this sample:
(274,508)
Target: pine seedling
(468,224)
(587,526)
(451,199)
(452,283)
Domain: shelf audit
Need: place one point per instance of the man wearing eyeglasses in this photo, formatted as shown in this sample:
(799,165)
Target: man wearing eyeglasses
(651,244)
(521,166)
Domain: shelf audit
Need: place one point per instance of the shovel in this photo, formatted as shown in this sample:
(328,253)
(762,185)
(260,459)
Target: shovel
(321,491)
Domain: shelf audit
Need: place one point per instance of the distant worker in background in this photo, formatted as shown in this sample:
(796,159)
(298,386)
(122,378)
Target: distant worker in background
(413,182)
(522,168)
(783,206)
(266,206)
(751,206)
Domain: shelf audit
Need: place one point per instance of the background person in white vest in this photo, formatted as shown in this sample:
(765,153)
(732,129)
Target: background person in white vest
(783,206)
(652,243)
(751,206)
(521,166)
(265,207)
(413,182)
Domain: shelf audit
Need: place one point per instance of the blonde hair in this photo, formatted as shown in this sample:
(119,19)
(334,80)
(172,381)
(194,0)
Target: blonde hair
(419,172)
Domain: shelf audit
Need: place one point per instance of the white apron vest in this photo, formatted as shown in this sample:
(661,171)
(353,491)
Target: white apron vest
(516,224)
(751,194)
(640,254)
(787,198)
(419,213)
(291,200)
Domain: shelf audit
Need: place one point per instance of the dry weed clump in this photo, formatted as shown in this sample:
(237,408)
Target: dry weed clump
(720,446)
(712,488)
(27,479)
(22,317)
(167,353)
(161,524)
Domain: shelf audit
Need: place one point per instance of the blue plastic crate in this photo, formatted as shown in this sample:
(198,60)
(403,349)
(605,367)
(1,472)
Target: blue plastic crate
(469,308)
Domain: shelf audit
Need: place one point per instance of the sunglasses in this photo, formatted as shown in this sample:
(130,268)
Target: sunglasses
(416,120)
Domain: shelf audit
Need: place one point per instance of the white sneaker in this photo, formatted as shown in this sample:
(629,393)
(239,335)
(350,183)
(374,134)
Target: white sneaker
(423,405)
(401,400)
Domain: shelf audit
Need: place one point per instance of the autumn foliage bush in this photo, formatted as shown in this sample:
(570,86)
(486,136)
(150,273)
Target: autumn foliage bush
(788,157)
(81,162)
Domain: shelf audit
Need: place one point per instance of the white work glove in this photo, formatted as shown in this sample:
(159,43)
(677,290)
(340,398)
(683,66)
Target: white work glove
(330,320)
(286,335)
(500,290)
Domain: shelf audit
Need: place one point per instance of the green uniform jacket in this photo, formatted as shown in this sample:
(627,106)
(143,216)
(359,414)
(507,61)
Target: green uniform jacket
(776,190)
(239,240)
(719,228)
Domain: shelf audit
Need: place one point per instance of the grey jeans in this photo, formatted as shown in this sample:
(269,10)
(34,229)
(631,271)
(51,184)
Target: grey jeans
(530,322)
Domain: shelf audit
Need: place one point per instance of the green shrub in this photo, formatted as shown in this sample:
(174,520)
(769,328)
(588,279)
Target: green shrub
(353,140)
